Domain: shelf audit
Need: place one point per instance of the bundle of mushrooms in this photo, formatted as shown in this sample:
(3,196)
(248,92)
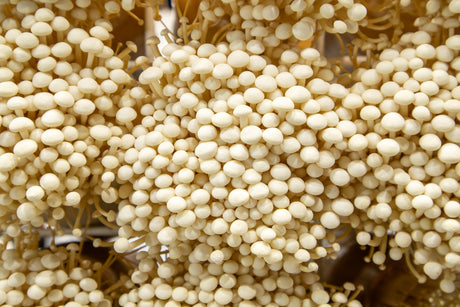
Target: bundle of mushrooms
(238,160)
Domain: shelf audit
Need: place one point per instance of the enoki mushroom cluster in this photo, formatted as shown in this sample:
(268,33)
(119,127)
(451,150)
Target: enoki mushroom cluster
(234,282)
(61,88)
(243,153)
(60,276)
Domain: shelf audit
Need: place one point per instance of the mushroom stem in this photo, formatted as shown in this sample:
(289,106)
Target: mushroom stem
(379,19)
(133,246)
(404,110)
(234,6)
(43,40)
(99,209)
(116,285)
(244,121)
(139,20)
(383,244)
(326,26)
(342,46)
(76,231)
(72,171)
(90,59)
(157,13)
(126,51)
(356,293)
(104,221)
(219,35)
(153,43)
(204,30)
(113,149)
(380,27)
(72,256)
(97,242)
(19,244)
(345,234)
(107,264)
(420,278)
(155,87)
(60,36)
(333,288)
(77,53)
(187,6)
(368,57)
(369,257)
(24,134)
(66,218)
(183,22)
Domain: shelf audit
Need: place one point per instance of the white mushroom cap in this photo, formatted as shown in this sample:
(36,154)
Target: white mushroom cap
(77,35)
(7,162)
(21,124)
(449,153)
(91,45)
(27,40)
(8,89)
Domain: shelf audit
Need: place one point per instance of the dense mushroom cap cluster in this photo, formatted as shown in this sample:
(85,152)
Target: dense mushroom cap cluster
(233,281)
(61,89)
(213,161)
(60,276)
(247,157)
(271,28)
(291,154)
(413,167)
